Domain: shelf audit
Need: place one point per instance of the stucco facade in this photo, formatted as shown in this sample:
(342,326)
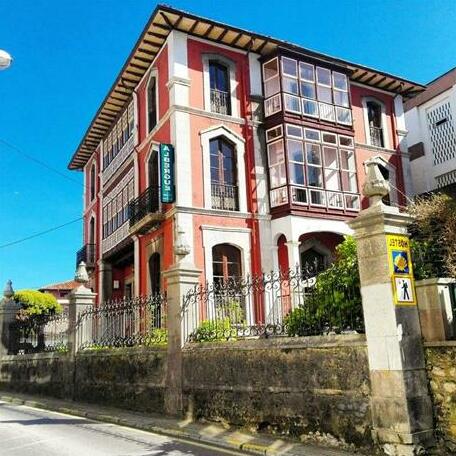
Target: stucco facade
(207,98)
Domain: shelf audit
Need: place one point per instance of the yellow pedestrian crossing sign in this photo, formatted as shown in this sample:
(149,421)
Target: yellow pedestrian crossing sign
(401,269)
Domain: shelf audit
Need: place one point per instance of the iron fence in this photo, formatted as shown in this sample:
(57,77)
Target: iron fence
(220,102)
(224,197)
(40,333)
(124,323)
(146,203)
(292,303)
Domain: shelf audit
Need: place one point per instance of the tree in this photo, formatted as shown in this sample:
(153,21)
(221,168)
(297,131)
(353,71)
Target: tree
(434,236)
(36,304)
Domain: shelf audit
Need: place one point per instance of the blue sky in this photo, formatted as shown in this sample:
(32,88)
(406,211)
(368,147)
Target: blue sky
(67,54)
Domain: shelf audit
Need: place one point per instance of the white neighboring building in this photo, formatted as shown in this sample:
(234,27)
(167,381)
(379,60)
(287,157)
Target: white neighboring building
(431,122)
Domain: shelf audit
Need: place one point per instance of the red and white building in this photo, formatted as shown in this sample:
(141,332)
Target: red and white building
(269,143)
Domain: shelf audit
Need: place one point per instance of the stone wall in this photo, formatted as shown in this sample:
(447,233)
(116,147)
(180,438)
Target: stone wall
(132,378)
(290,386)
(42,373)
(441,367)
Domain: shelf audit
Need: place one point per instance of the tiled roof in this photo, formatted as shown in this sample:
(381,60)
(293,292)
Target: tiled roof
(68,285)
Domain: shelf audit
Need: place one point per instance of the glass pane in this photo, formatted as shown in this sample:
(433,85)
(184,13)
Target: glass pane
(330,157)
(346,141)
(274,133)
(340,81)
(347,160)
(324,94)
(295,151)
(297,174)
(290,85)
(271,87)
(313,135)
(306,72)
(324,76)
(310,108)
(272,105)
(308,90)
(314,176)
(332,179)
(289,67)
(349,183)
(326,112)
(270,69)
(292,103)
(277,175)
(279,196)
(293,130)
(341,98)
(335,200)
(276,153)
(352,202)
(329,138)
(344,116)
(313,154)
(317,197)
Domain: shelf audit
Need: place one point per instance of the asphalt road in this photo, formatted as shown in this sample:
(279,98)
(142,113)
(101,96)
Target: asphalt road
(26,431)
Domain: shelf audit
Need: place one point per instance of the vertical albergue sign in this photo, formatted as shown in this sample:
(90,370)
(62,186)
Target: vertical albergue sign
(400,264)
(167,187)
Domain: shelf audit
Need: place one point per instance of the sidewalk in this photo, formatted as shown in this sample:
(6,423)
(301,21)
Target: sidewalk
(209,433)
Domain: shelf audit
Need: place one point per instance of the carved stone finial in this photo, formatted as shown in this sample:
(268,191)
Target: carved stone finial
(181,248)
(8,292)
(376,186)
(81,275)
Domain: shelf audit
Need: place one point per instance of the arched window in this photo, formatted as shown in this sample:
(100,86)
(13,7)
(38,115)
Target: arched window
(224,188)
(374,117)
(219,80)
(154,273)
(152,104)
(154,180)
(226,263)
(92,182)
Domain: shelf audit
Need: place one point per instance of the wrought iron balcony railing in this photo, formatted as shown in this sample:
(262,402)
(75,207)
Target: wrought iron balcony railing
(145,208)
(376,135)
(224,197)
(86,254)
(220,102)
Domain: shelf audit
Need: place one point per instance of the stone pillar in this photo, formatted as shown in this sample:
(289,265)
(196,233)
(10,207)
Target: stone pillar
(401,405)
(81,299)
(181,278)
(8,311)
(435,308)
(293,254)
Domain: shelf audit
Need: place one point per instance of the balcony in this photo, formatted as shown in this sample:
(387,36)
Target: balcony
(121,156)
(376,136)
(220,102)
(224,197)
(145,211)
(86,254)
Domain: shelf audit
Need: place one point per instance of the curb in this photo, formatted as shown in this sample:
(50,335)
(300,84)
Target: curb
(249,448)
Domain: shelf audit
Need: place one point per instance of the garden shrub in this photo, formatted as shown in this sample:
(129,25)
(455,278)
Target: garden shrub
(333,303)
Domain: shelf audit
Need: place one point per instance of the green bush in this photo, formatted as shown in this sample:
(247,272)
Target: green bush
(333,303)
(211,330)
(35,303)
(157,336)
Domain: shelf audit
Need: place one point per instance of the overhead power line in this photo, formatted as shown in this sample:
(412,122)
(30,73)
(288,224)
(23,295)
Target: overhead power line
(41,233)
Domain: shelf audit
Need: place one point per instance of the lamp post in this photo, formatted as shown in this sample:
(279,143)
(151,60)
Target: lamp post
(5,60)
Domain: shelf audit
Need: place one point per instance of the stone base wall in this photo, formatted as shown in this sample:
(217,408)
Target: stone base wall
(288,386)
(441,367)
(48,374)
(132,378)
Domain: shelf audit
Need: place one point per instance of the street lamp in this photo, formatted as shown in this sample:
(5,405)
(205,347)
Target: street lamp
(5,60)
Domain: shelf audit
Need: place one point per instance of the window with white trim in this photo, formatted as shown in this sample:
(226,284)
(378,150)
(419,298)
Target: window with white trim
(321,168)
(152,108)
(309,90)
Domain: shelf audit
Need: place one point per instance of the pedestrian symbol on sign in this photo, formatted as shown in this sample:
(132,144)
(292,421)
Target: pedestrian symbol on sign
(404,290)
